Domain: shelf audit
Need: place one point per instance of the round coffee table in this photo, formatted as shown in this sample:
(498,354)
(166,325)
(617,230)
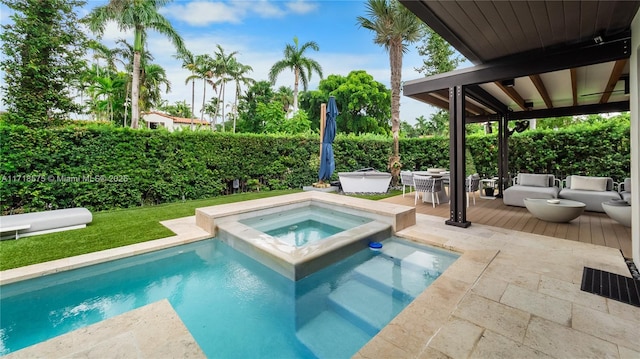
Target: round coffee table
(563,211)
(619,211)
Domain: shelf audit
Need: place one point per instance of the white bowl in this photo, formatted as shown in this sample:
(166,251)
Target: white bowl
(553,201)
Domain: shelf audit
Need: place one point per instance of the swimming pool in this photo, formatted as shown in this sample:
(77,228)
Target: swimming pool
(232,305)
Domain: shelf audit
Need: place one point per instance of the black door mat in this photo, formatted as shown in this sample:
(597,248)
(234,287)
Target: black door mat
(610,285)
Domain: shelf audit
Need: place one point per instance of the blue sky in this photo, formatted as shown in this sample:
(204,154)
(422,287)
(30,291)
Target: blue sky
(259,31)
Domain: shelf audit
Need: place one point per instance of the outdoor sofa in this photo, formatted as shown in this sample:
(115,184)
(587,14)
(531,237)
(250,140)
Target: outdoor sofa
(625,190)
(29,224)
(530,185)
(591,191)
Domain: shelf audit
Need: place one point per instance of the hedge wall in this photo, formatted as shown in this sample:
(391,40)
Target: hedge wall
(102,167)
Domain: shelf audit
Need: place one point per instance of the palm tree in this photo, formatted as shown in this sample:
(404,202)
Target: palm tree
(153,78)
(223,70)
(301,66)
(238,74)
(204,67)
(138,16)
(189,63)
(285,96)
(394,28)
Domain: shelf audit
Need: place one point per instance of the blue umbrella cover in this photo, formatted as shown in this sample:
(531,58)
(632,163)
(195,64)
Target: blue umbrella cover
(327,162)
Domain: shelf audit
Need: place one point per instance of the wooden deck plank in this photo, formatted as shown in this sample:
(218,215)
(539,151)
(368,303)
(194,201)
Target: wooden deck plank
(597,236)
(590,227)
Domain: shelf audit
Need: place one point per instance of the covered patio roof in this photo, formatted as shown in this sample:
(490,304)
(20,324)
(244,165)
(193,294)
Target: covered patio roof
(532,59)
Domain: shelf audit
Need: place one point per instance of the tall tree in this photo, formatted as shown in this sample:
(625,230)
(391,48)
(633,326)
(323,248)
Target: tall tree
(139,16)
(394,27)
(238,74)
(248,121)
(43,56)
(302,67)
(189,63)
(363,103)
(153,78)
(285,96)
(204,67)
(224,64)
(440,56)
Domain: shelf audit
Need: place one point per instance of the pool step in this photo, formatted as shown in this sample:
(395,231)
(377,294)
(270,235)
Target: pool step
(403,282)
(365,306)
(408,256)
(329,335)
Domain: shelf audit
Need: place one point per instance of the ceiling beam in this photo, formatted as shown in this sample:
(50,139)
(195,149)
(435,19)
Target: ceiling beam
(574,85)
(557,112)
(469,107)
(432,99)
(520,65)
(542,90)
(512,93)
(613,80)
(486,99)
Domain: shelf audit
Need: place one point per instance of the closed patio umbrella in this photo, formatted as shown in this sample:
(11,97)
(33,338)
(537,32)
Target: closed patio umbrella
(327,162)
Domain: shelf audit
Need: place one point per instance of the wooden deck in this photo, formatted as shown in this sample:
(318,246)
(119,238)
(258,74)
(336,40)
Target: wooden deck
(590,227)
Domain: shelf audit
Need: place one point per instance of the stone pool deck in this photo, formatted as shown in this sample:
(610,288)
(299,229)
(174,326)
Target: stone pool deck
(510,295)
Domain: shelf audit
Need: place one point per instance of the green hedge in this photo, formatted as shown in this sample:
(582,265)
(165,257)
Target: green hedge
(103,167)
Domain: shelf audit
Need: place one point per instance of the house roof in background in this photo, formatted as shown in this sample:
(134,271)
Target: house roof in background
(177,119)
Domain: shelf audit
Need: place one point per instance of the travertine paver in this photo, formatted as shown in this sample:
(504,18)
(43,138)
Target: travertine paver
(380,348)
(542,305)
(495,346)
(430,353)
(560,341)
(513,274)
(626,353)
(571,292)
(490,287)
(624,311)
(457,338)
(500,318)
(608,327)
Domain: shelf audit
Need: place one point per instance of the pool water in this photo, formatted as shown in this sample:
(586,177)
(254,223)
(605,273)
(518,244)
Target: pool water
(305,225)
(233,306)
(301,233)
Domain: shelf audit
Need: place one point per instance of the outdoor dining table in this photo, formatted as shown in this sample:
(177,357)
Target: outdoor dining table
(442,194)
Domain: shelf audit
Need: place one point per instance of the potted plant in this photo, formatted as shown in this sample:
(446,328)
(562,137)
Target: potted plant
(488,191)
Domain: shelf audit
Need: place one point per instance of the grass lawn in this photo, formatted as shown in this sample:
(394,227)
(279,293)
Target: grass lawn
(117,228)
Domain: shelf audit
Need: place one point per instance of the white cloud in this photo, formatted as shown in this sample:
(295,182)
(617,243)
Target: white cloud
(302,7)
(203,13)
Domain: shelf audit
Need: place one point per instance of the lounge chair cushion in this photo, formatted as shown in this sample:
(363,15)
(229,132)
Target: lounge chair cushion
(589,183)
(515,195)
(535,180)
(48,221)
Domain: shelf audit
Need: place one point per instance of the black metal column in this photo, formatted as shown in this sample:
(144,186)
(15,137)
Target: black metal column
(503,138)
(505,177)
(457,144)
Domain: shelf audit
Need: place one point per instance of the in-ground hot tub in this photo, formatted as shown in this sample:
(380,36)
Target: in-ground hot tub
(245,226)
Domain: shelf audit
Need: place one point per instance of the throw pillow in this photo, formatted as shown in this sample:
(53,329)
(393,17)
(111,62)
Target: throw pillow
(533,180)
(586,183)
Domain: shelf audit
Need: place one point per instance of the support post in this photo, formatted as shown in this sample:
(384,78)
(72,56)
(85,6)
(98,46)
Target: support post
(503,152)
(457,144)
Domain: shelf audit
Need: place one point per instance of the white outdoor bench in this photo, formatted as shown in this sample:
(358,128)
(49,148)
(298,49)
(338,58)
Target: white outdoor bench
(30,224)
